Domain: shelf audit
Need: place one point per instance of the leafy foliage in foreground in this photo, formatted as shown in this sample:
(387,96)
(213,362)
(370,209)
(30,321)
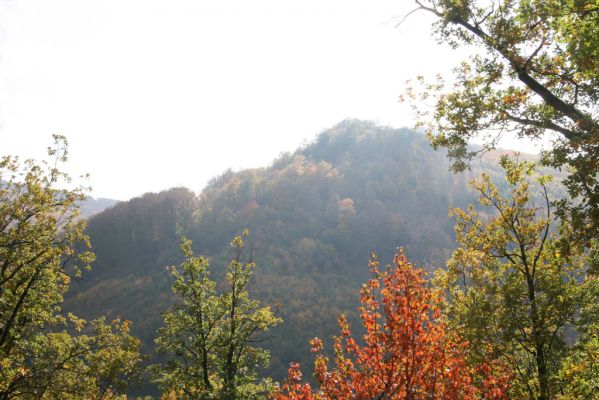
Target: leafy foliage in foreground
(519,287)
(208,336)
(536,72)
(43,352)
(407,350)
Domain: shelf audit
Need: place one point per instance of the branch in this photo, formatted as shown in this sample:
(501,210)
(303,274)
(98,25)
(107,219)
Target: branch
(405,17)
(568,134)
(546,230)
(584,121)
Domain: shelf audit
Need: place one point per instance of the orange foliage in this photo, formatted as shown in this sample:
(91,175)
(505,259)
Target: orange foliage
(407,351)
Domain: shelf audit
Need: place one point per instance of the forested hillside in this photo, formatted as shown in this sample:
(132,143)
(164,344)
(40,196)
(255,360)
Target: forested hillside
(314,216)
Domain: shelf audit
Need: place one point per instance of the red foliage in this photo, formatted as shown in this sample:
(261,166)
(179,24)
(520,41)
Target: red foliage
(407,351)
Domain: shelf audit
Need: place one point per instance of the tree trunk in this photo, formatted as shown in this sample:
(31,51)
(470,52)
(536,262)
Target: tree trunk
(539,343)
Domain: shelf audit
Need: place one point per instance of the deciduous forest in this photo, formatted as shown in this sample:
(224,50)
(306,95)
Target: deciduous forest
(370,263)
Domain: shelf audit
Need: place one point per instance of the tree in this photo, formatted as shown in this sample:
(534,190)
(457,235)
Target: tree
(208,336)
(407,351)
(579,373)
(516,284)
(537,73)
(97,365)
(42,247)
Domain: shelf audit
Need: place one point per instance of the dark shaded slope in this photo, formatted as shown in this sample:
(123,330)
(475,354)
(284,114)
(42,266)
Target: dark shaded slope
(133,242)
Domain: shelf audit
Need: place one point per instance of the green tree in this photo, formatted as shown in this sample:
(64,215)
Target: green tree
(42,247)
(98,365)
(516,285)
(579,373)
(208,336)
(536,72)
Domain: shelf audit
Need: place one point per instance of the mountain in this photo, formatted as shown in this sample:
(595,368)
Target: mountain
(92,206)
(314,216)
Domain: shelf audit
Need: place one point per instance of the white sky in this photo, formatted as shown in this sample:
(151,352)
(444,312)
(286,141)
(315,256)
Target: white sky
(155,94)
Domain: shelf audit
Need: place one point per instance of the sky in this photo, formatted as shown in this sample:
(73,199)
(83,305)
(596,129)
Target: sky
(157,94)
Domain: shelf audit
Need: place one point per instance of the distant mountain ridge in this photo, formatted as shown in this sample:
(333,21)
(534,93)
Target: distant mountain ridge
(314,216)
(92,206)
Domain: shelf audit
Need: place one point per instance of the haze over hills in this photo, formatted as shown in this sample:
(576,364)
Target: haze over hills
(314,216)
(92,206)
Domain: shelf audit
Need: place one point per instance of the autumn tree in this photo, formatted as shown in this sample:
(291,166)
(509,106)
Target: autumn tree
(208,337)
(42,247)
(536,72)
(407,351)
(517,285)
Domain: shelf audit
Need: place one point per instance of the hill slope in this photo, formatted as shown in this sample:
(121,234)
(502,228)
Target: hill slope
(314,217)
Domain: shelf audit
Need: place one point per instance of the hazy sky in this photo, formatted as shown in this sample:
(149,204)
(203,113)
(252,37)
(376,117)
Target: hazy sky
(156,94)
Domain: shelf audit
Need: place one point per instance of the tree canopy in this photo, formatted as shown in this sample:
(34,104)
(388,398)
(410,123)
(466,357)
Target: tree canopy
(45,353)
(517,285)
(535,71)
(208,337)
(407,352)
